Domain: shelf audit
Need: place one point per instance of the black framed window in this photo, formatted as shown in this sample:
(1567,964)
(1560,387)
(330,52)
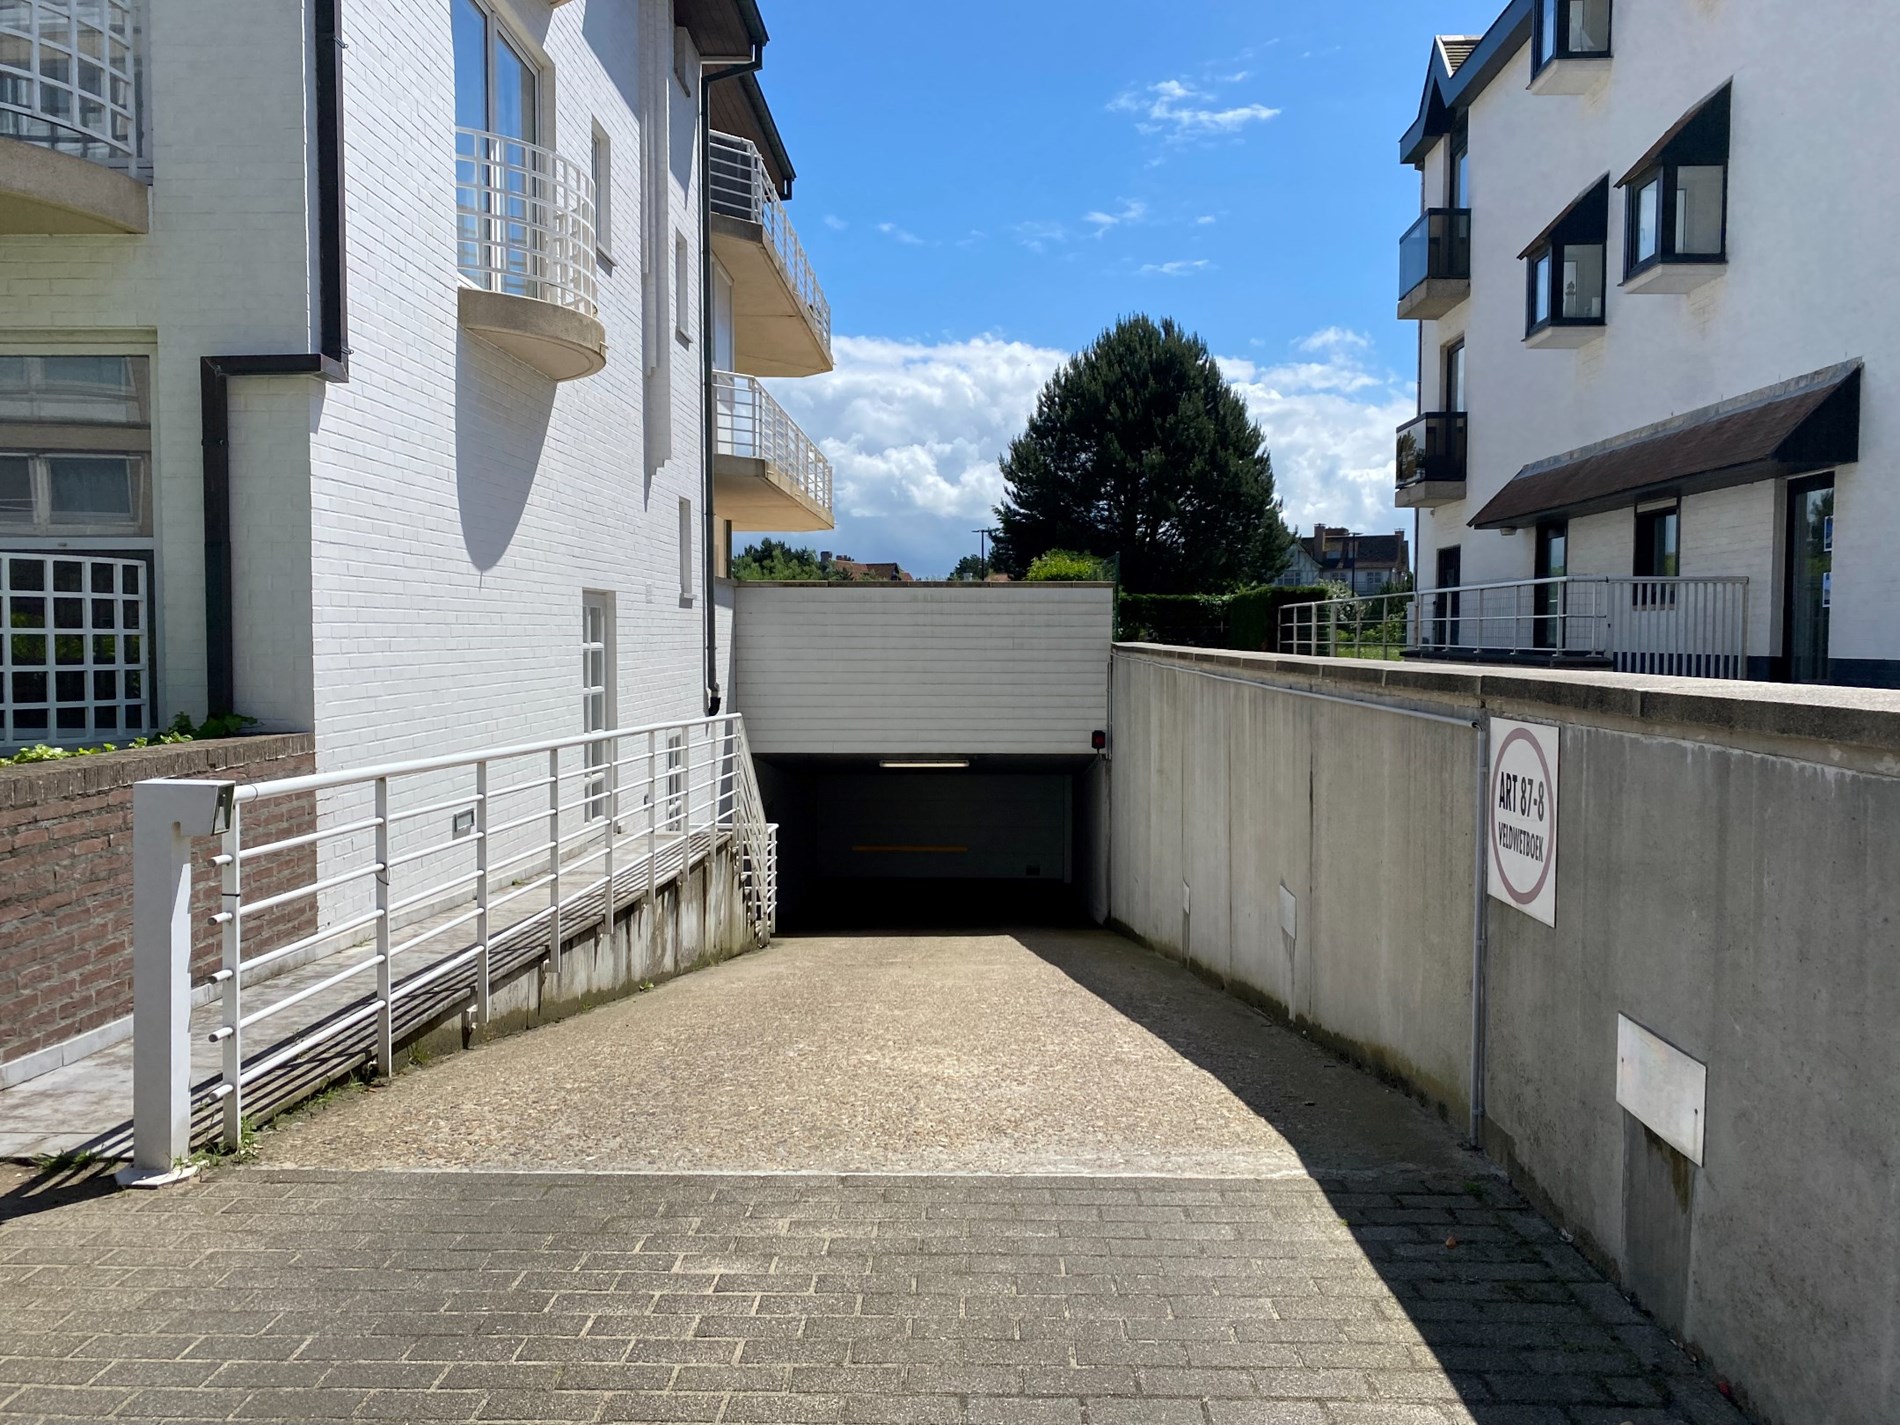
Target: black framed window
(1553,562)
(1676,198)
(1454,391)
(1458,167)
(1565,268)
(1658,554)
(1570,29)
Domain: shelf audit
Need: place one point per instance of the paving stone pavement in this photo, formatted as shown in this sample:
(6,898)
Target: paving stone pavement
(1364,1271)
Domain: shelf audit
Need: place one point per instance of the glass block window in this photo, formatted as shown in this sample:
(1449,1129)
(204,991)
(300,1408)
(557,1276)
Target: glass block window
(69,77)
(74,655)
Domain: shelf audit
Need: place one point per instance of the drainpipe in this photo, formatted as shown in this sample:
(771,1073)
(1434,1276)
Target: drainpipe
(330,363)
(709,425)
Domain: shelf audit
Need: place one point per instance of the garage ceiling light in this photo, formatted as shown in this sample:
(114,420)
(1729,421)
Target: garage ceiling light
(933,764)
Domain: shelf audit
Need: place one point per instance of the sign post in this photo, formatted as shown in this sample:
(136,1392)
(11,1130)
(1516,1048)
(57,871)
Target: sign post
(1522,825)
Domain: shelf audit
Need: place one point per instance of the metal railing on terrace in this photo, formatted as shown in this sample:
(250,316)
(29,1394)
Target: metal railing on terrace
(753,425)
(423,882)
(70,78)
(743,188)
(1684,627)
(524,221)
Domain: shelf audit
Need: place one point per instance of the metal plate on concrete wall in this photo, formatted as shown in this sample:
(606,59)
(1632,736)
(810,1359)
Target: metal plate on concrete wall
(1661,1087)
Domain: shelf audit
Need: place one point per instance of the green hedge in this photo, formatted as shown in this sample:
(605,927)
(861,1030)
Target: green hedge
(1248,620)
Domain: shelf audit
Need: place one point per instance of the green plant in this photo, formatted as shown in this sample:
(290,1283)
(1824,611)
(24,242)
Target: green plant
(180,729)
(1058,566)
(66,1160)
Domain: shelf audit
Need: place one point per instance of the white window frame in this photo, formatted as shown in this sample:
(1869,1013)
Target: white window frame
(603,170)
(598,699)
(499,28)
(42,524)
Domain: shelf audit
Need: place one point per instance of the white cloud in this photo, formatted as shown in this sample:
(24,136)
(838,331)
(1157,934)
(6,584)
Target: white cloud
(918,429)
(1131,211)
(1180,111)
(835,223)
(1206,220)
(1329,424)
(1039,235)
(1181,267)
(915,430)
(903,235)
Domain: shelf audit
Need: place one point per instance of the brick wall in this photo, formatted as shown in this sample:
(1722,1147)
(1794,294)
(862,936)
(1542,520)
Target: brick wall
(66,899)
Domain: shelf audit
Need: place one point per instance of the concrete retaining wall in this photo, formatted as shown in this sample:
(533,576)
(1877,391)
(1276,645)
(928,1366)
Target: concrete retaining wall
(1726,879)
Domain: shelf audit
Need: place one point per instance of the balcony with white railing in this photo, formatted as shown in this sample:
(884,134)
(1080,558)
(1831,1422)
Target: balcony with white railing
(1679,627)
(525,248)
(781,320)
(72,141)
(767,474)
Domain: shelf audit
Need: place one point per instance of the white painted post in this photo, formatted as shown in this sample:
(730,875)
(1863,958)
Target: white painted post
(481,892)
(554,860)
(165,816)
(233,967)
(385,970)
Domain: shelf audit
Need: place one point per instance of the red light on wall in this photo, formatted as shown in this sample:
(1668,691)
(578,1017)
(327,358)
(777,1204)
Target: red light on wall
(1098,739)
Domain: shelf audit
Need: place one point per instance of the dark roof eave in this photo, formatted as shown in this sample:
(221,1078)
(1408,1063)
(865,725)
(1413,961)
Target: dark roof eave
(768,129)
(1798,428)
(1454,92)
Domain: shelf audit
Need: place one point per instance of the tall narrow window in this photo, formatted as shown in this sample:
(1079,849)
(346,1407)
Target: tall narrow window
(682,288)
(1658,556)
(597,696)
(687,571)
(1677,201)
(603,156)
(500,186)
(1553,563)
(1458,174)
(1454,377)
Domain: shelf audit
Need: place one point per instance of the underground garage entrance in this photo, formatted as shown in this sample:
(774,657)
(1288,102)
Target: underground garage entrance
(926,842)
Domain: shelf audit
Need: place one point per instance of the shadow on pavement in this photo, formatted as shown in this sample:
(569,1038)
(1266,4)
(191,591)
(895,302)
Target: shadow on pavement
(1526,1331)
(25,1191)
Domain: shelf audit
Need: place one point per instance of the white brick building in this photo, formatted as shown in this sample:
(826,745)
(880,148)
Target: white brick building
(1655,337)
(396,305)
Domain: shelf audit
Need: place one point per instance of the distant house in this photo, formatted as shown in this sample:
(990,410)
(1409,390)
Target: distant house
(853,569)
(1363,562)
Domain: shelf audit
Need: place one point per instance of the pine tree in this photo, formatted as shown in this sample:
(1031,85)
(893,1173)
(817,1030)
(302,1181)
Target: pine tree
(1140,452)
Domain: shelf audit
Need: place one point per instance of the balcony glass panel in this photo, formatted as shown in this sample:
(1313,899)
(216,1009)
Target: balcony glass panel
(1438,245)
(1432,447)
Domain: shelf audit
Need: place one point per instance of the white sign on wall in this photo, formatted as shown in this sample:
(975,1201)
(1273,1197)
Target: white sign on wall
(1523,817)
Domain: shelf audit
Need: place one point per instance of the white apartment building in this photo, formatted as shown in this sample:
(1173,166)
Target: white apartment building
(1659,367)
(387,368)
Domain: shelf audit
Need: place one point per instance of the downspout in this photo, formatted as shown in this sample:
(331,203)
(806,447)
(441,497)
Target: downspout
(709,424)
(330,363)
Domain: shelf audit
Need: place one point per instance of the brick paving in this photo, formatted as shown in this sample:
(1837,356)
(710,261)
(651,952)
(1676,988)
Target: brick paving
(263,1294)
(1347,1265)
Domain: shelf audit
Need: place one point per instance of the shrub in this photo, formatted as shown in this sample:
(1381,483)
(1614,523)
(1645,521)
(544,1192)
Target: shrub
(1247,621)
(1068,567)
(181,729)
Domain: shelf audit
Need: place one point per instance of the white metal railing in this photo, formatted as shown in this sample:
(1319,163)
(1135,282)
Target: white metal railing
(753,425)
(69,78)
(524,221)
(74,658)
(1685,627)
(460,866)
(743,188)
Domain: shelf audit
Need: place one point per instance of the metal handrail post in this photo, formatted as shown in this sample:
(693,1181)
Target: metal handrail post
(554,860)
(232,1046)
(385,969)
(481,894)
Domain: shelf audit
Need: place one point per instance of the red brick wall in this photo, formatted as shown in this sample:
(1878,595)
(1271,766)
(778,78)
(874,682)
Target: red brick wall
(66,877)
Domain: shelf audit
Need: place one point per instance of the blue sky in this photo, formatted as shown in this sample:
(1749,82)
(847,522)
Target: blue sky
(983,187)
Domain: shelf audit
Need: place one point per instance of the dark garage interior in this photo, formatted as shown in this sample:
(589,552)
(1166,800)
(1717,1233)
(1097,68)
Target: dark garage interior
(910,843)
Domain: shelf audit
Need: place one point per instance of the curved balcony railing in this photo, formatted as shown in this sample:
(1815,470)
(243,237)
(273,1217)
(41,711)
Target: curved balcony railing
(754,426)
(524,221)
(741,188)
(69,78)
